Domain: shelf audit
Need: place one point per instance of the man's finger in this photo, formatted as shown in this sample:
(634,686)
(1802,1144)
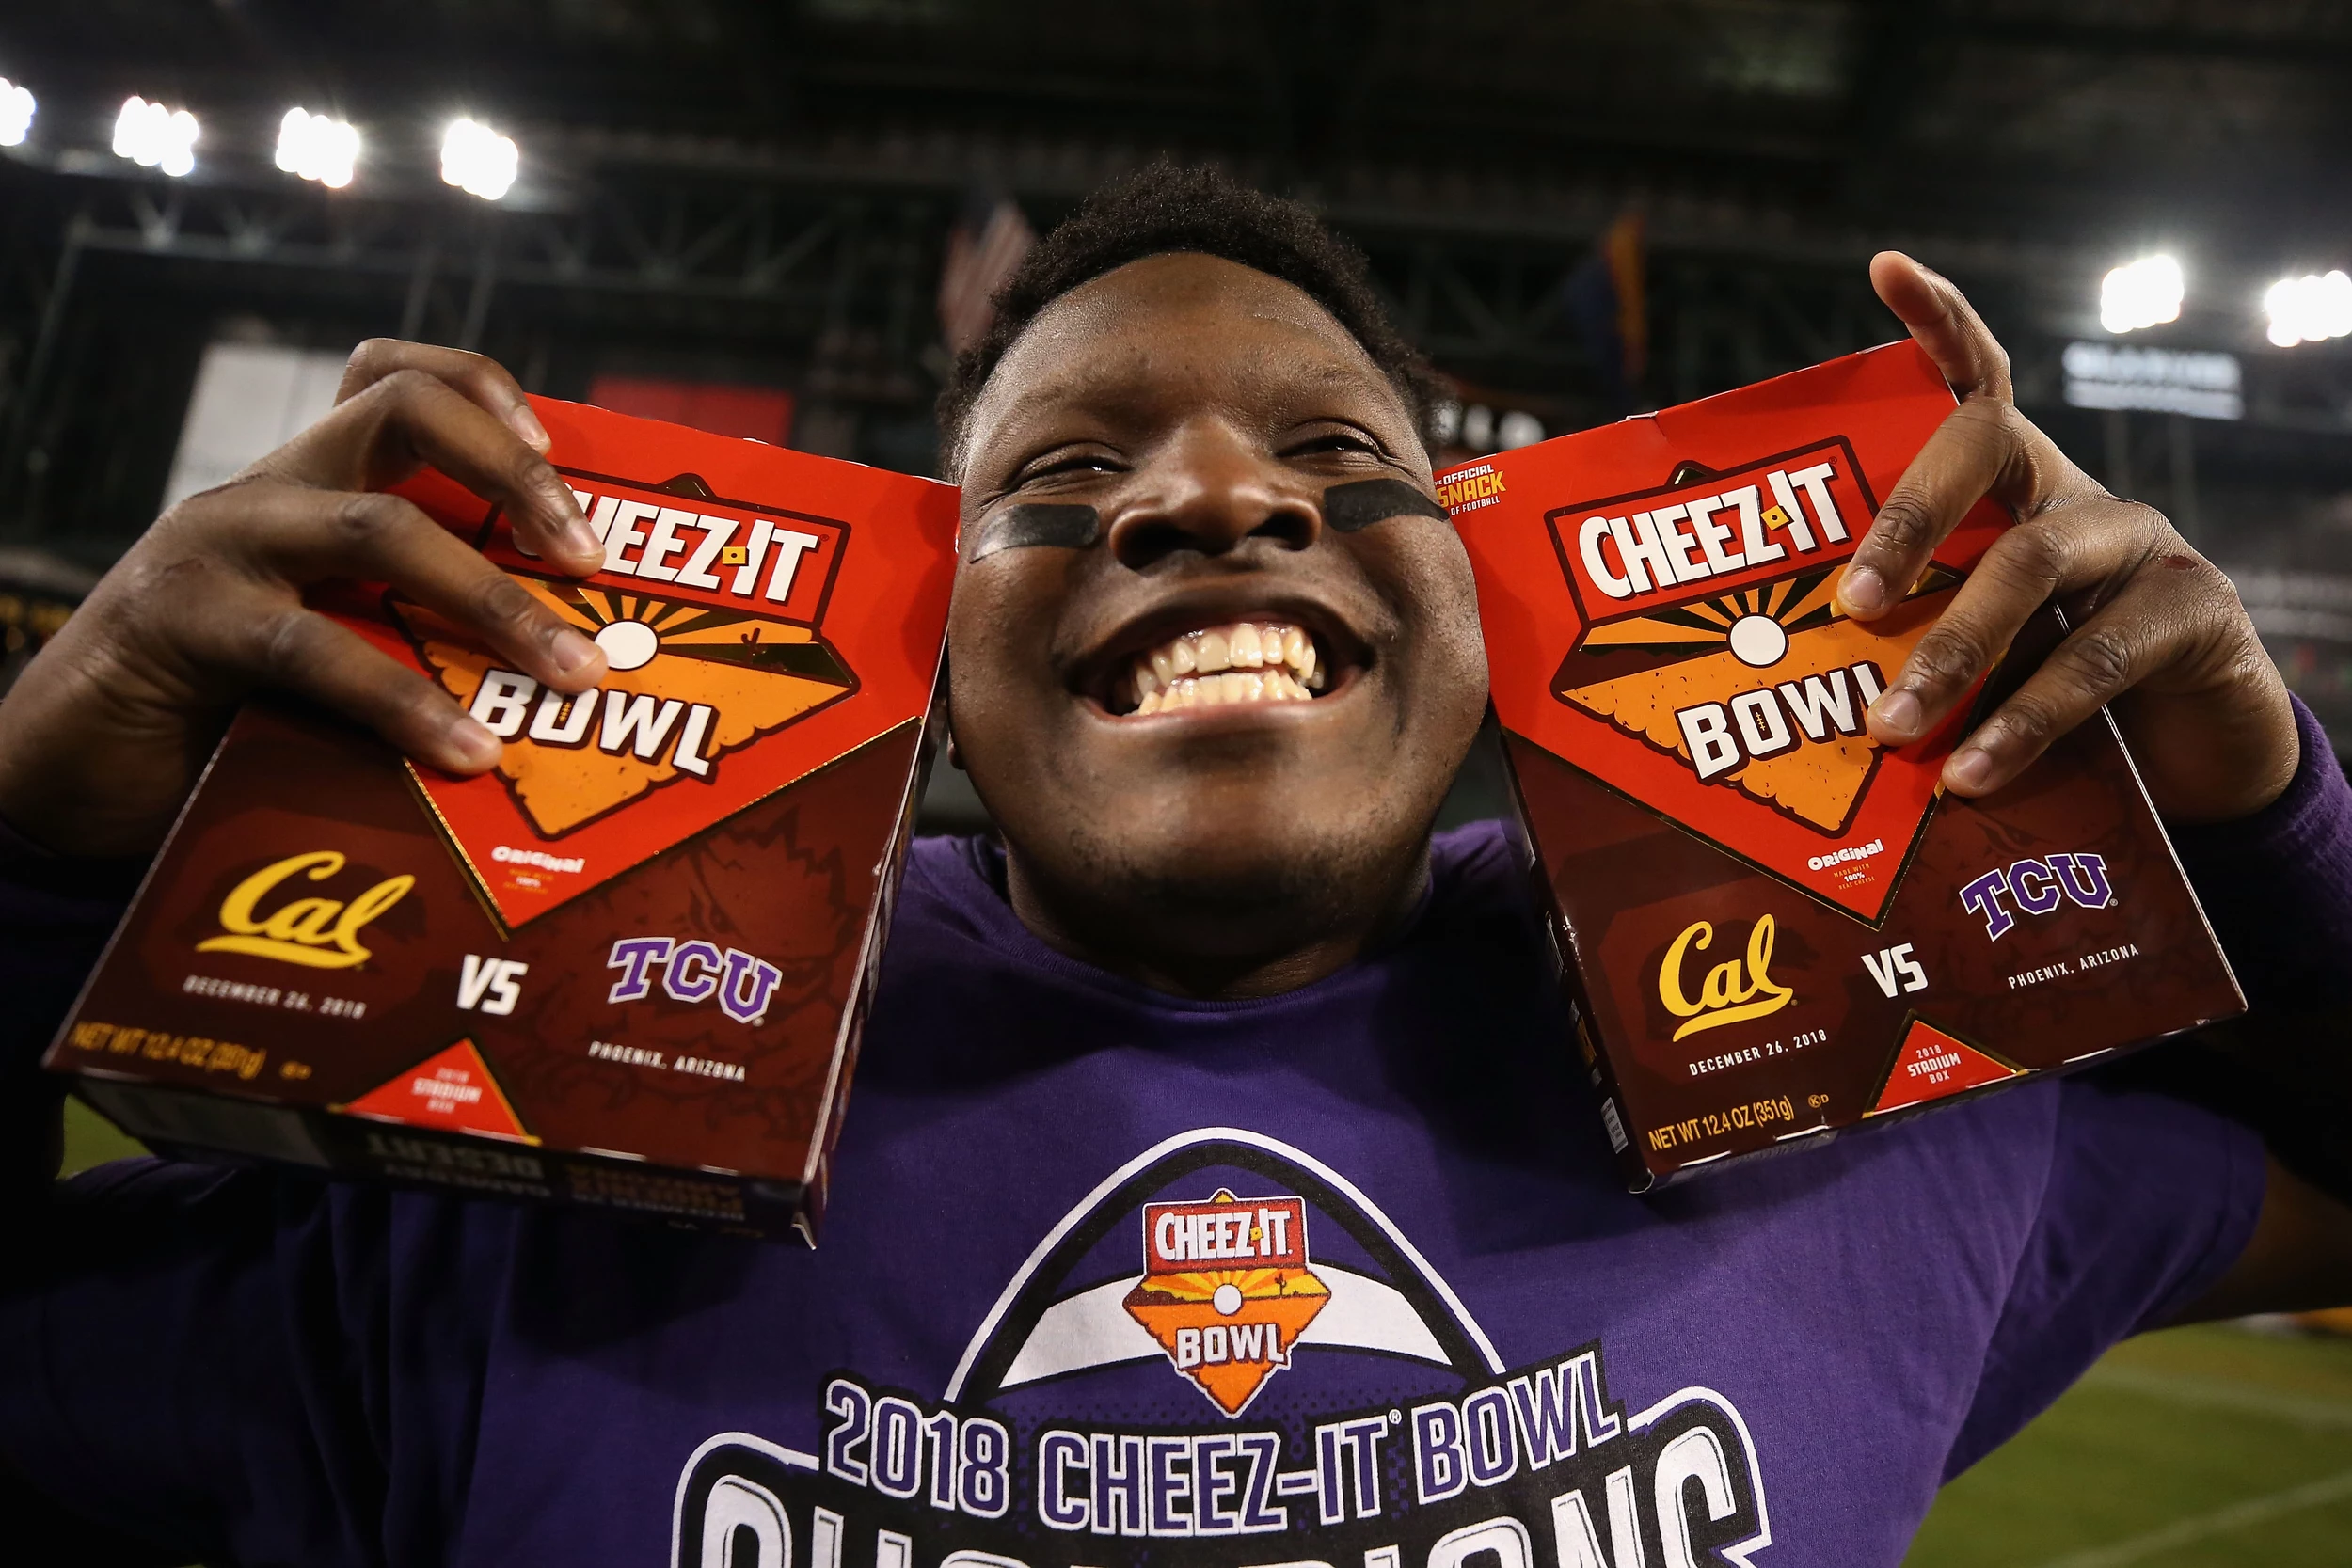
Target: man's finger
(302,536)
(1942,321)
(410,417)
(478,376)
(299,650)
(2063,551)
(1970,453)
(2098,663)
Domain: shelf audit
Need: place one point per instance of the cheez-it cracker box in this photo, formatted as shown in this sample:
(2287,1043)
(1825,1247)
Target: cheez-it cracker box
(629,966)
(1772,927)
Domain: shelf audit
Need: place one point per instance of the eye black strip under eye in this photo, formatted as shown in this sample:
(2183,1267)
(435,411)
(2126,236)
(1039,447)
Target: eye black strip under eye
(1071,527)
(1361,503)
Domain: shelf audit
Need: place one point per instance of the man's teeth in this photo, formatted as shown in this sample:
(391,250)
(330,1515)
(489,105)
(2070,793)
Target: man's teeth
(1233,685)
(1250,661)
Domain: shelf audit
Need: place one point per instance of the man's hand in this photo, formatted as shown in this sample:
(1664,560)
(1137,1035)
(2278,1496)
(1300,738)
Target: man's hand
(104,734)
(2158,629)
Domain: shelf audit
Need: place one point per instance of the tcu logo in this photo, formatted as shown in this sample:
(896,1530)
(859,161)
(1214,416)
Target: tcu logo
(694,972)
(2037,886)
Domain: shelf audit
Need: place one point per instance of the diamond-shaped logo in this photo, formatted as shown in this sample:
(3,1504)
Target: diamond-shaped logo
(1716,684)
(722,684)
(688,684)
(1227,1290)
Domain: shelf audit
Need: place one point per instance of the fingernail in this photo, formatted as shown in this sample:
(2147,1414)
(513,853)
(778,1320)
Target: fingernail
(1897,711)
(581,540)
(1970,768)
(1863,590)
(527,425)
(569,652)
(474,745)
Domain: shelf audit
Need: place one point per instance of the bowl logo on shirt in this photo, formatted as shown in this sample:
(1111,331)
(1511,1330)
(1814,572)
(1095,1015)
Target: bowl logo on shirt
(1400,1438)
(1226,1290)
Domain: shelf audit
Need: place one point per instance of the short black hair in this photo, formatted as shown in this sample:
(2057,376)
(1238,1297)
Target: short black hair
(1167,207)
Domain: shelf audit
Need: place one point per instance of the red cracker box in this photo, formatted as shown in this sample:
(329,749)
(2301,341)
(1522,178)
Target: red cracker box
(1772,927)
(629,966)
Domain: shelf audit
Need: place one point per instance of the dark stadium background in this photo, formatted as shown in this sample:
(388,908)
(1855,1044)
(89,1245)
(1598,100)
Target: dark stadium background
(748,205)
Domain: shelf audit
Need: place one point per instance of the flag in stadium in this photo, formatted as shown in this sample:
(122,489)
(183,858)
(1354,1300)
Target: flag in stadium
(986,244)
(1607,302)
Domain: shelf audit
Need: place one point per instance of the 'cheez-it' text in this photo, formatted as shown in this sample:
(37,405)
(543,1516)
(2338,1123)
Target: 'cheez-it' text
(736,554)
(1642,550)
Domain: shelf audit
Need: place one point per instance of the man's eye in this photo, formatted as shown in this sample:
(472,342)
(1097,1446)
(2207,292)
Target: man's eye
(1072,463)
(1334,441)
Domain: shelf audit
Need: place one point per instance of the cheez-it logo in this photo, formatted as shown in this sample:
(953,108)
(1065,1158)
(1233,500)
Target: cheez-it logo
(708,612)
(316,934)
(1762,688)
(1227,1290)
(1723,686)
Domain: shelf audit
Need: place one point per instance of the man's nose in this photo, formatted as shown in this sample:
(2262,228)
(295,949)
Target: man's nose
(1210,490)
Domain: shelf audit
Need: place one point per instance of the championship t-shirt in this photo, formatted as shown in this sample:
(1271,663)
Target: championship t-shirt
(1344,1277)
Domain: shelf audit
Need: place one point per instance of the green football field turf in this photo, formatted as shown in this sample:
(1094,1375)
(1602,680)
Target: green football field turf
(90,1139)
(2201,1448)
(2207,1447)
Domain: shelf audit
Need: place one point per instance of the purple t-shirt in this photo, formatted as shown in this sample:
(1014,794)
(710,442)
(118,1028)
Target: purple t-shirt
(1070,1216)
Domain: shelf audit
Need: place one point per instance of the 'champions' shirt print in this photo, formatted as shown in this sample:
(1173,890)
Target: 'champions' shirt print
(1228,1355)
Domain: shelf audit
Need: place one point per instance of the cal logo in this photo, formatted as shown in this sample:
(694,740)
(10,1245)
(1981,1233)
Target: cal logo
(1710,645)
(313,931)
(1740,988)
(1227,1290)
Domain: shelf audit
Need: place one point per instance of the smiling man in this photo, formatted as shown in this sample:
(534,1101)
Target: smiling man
(1216,819)
(1219,1187)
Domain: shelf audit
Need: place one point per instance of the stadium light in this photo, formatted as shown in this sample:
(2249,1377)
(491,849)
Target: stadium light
(16,112)
(2143,293)
(2308,310)
(153,137)
(1517,428)
(478,160)
(317,148)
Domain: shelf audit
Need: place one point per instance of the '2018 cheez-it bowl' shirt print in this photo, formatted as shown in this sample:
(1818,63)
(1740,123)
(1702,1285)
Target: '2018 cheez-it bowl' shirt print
(1106,1411)
(1345,1277)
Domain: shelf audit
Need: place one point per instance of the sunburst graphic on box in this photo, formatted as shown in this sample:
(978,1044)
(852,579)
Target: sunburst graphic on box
(688,685)
(1764,689)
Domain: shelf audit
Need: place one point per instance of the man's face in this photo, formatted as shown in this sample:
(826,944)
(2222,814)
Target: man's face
(1163,776)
